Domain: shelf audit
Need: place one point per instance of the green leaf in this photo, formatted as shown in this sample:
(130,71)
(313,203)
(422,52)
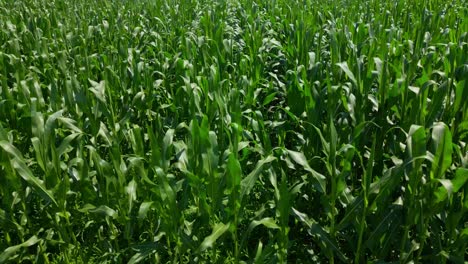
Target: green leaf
(99,89)
(10,149)
(300,159)
(132,196)
(10,251)
(218,230)
(416,144)
(167,141)
(267,222)
(442,141)
(50,124)
(140,256)
(25,173)
(144,208)
(450,187)
(269,98)
(248,182)
(143,252)
(378,65)
(319,234)
(234,170)
(345,68)
(70,123)
(66,143)
(461,177)
(259,254)
(37,145)
(390,222)
(104,211)
(325,144)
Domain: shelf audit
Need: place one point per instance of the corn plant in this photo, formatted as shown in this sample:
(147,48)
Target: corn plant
(233,131)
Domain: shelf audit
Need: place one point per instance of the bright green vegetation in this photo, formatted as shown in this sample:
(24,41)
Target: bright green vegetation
(229,131)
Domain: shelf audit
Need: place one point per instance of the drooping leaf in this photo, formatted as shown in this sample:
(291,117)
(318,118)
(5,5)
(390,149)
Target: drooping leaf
(218,230)
(249,181)
(320,235)
(19,165)
(300,159)
(449,187)
(10,251)
(349,73)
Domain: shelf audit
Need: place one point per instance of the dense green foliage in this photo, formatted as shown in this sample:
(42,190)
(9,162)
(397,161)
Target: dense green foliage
(233,131)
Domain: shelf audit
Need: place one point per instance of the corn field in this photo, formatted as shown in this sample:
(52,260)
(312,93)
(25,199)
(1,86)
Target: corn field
(233,131)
